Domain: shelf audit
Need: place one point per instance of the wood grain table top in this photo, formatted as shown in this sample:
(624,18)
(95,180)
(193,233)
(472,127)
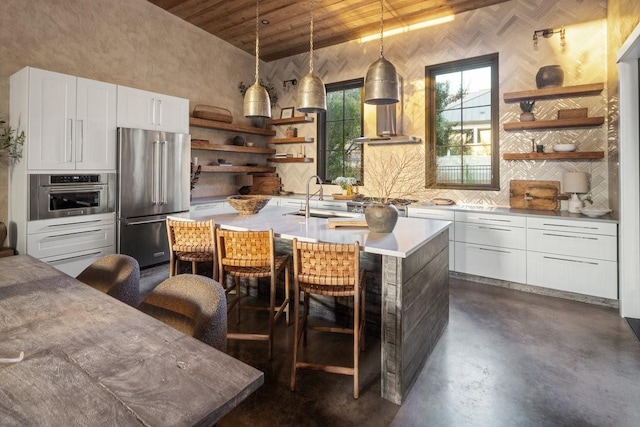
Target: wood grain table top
(90,359)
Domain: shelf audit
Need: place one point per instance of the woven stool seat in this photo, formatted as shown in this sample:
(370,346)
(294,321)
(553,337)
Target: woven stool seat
(190,241)
(328,269)
(251,254)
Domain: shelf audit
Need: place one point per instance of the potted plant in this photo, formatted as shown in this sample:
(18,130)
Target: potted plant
(393,174)
(11,142)
(527,114)
(346,183)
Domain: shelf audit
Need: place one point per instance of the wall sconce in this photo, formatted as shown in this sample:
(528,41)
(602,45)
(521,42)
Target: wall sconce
(292,82)
(547,33)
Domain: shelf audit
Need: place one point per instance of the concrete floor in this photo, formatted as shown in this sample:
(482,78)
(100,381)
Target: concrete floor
(507,358)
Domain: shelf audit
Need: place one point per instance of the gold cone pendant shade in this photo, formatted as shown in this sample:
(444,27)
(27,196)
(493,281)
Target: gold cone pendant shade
(381,84)
(312,95)
(256,99)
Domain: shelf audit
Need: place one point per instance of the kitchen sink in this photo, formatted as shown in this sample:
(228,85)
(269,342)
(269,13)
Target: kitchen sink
(322,213)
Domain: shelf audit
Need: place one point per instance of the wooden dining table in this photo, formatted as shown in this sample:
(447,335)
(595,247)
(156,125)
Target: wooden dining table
(90,359)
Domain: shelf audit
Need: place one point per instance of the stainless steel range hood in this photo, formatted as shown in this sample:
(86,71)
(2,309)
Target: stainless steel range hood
(386,128)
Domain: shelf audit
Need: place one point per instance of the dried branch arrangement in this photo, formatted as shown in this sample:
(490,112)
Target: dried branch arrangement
(394,174)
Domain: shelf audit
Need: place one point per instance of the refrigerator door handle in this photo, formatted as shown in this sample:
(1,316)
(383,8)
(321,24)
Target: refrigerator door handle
(163,173)
(141,222)
(155,173)
(153,111)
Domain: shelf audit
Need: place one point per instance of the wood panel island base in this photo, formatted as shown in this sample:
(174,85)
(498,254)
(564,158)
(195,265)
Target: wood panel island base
(408,278)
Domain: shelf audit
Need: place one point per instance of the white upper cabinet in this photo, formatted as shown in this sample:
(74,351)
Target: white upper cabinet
(148,110)
(70,122)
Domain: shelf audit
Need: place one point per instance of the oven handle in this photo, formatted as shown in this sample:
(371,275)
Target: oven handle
(52,189)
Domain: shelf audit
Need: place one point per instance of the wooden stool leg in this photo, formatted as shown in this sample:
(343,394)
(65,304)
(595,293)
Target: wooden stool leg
(194,267)
(287,292)
(296,335)
(305,319)
(237,279)
(272,309)
(356,342)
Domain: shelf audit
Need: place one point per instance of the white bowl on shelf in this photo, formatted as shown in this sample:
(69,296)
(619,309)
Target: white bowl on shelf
(564,148)
(594,213)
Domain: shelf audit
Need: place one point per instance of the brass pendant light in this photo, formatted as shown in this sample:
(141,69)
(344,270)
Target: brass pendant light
(256,99)
(312,95)
(381,85)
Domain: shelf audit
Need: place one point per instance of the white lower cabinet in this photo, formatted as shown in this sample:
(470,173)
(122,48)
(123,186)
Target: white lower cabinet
(212,208)
(441,214)
(71,244)
(491,245)
(573,256)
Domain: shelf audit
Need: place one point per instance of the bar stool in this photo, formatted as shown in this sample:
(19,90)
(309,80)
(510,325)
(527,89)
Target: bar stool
(191,241)
(251,254)
(333,270)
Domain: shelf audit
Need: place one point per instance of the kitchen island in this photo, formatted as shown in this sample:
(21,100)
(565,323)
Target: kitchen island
(409,266)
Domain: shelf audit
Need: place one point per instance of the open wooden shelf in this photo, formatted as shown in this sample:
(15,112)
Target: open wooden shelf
(554,124)
(573,155)
(554,92)
(236,169)
(290,120)
(199,145)
(290,160)
(212,124)
(296,140)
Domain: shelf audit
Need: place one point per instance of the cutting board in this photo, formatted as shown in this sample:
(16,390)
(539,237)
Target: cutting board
(543,195)
(333,223)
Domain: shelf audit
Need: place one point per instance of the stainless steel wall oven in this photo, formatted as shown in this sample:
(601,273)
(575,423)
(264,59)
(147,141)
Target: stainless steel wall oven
(66,195)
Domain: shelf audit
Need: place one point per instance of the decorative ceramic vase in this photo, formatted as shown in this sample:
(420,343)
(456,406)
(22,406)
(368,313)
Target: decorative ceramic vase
(381,218)
(549,76)
(527,117)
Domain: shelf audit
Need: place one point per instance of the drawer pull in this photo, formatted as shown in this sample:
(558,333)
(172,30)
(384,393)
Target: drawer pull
(494,250)
(570,260)
(570,237)
(76,224)
(493,228)
(61,260)
(491,219)
(570,226)
(70,235)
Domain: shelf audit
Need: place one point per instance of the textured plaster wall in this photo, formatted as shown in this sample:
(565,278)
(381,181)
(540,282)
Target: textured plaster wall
(128,42)
(622,18)
(506,28)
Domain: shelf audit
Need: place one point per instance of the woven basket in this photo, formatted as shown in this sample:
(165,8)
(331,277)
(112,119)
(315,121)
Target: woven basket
(248,205)
(209,112)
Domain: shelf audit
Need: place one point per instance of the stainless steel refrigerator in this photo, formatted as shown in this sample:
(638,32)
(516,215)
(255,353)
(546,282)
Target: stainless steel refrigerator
(153,182)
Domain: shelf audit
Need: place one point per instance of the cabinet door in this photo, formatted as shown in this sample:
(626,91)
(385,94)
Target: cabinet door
(172,114)
(96,125)
(136,108)
(52,108)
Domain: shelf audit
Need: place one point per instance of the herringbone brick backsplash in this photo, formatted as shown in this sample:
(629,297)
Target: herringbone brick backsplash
(506,28)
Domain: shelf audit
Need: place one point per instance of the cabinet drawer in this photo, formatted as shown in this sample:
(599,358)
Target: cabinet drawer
(578,226)
(575,244)
(445,215)
(491,235)
(573,274)
(214,208)
(44,245)
(296,203)
(72,223)
(496,263)
(487,218)
(73,263)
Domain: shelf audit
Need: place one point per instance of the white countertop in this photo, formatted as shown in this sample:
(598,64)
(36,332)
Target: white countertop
(408,235)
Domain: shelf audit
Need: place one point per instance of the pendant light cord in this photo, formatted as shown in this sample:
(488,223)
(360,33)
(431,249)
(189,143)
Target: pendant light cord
(311,39)
(257,40)
(381,29)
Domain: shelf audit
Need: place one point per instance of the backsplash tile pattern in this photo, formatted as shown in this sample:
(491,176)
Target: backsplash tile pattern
(505,28)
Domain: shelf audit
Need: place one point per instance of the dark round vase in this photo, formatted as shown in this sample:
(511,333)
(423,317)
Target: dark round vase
(381,218)
(549,76)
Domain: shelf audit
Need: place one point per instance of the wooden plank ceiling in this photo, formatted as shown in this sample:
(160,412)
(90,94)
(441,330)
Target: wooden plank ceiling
(287,33)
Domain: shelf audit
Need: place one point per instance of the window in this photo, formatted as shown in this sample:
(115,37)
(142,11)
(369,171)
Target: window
(338,155)
(462,120)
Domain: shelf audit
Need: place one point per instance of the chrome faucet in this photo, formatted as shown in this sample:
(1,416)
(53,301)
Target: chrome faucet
(306,200)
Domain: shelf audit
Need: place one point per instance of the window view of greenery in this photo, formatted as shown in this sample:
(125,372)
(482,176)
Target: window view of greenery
(463,146)
(343,122)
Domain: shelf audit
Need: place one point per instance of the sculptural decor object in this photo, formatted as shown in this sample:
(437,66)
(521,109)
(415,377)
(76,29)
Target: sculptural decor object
(549,76)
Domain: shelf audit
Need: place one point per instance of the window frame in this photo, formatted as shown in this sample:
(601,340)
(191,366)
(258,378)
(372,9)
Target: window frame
(321,130)
(491,60)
